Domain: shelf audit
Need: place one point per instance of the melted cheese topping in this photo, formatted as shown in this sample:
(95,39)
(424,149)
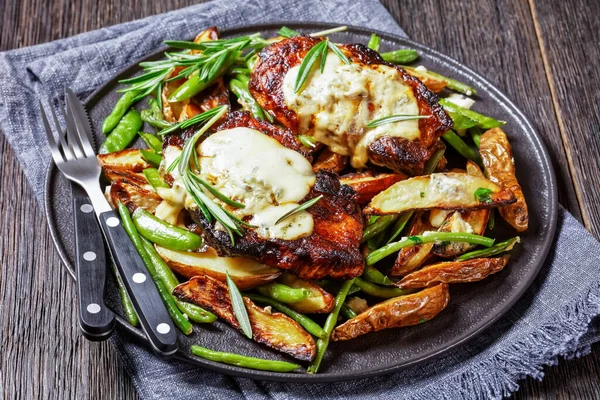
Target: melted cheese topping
(335,106)
(269,179)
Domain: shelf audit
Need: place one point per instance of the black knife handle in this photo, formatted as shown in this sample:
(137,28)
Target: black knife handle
(97,322)
(152,313)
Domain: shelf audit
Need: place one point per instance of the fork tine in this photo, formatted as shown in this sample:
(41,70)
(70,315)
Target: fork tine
(66,149)
(56,154)
(84,139)
(71,133)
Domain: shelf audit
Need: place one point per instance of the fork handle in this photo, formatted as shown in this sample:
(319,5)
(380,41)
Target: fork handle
(151,311)
(97,322)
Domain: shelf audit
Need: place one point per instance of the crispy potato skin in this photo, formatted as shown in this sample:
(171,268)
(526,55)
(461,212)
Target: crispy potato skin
(499,164)
(401,155)
(435,85)
(133,196)
(319,300)
(411,258)
(453,272)
(400,311)
(477,219)
(137,178)
(330,161)
(124,160)
(332,250)
(274,330)
(367,184)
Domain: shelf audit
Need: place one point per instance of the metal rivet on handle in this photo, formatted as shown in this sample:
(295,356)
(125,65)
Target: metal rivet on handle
(112,222)
(163,328)
(138,277)
(89,256)
(93,308)
(86,208)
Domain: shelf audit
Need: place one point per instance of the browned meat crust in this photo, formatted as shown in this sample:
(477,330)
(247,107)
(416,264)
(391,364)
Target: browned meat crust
(332,250)
(395,153)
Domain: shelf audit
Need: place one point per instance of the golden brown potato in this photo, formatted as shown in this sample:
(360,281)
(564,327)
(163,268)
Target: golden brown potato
(124,160)
(460,221)
(499,165)
(133,196)
(137,178)
(448,191)
(246,273)
(331,161)
(432,83)
(367,184)
(411,258)
(319,301)
(272,329)
(400,311)
(453,272)
(172,111)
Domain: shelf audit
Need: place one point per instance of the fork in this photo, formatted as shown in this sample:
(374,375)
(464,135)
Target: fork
(74,156)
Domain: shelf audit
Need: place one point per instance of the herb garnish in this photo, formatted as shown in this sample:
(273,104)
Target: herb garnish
(301,207)
(394,118)
(318,52)
(239,308)
(483,195)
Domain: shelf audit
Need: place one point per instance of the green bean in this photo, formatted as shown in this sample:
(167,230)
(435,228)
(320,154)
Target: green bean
(194,312)
(402,56)
(428,237)
(150,117)
(307,141)
(498,248)
(375,242)
(152,157)
(182,323)
(372,274)
(123,104)
(243,361)
(459,145)
(195,84)
(152,141)
(311,326)
(460,122)
(483,121)
(347,311)
(123,134)
(374,42)
(283,293)
(330,323)
(475,135)
(130,314)
(154,178)
(491,220)
(245,98)
(379,291)
(164,234)
(399,225)
(377,227)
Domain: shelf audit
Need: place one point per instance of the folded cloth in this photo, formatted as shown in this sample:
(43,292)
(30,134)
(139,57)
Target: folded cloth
(553,319)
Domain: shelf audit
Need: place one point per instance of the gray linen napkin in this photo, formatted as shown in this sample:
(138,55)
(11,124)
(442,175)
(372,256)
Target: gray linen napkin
(553,319)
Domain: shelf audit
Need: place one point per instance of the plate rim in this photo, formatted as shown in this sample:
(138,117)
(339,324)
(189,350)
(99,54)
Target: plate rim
(371,372)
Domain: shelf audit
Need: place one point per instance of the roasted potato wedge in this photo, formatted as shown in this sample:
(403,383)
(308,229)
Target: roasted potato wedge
(499,165)
(473,221)
(272,329)
(188,111)
(411,258)
(133,196)
(330,161)
(400,311)
(319,301)
(137,178)
(367,185)
(432,83)
(246,273)
(453,272)
(124,160)
(448,191)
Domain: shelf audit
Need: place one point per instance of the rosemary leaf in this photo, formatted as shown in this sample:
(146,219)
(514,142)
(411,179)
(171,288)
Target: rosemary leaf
(338,51)
(239,307)
(287,32)
(301,207)
(215,192)
(307,64)
(394,118)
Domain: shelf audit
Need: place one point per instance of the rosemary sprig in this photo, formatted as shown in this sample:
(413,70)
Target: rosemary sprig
(289,32)
(190,122)
(318,51)
(239,308)
(394,118)
(301,207)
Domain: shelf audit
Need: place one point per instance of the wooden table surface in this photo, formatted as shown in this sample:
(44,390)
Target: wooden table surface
(542,54)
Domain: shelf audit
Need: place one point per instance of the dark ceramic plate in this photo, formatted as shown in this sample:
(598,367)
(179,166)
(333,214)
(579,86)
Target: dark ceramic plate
(472,307)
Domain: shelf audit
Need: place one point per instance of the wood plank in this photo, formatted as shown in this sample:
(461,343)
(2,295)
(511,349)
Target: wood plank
(569,33)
